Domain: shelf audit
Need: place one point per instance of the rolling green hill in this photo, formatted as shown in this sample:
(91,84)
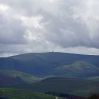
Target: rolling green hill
(22,94)
(33,66)
(23,76)
(78,69)
(48,64)
(74,86)
(79,87)
(95,78)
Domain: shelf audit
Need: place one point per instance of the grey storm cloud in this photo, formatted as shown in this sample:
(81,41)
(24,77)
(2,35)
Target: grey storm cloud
(68,33)
(11,31)
(44,25)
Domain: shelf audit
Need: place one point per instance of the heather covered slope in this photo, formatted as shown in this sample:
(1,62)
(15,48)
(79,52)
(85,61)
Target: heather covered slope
(52,64)
(7,80)
(21,75)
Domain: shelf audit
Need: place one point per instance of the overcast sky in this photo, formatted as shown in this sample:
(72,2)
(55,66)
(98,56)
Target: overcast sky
(28,26)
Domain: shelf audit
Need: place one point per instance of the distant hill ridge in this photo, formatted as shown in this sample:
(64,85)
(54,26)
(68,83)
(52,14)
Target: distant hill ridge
(53,64)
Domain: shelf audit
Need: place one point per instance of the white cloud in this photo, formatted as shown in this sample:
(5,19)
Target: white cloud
(31,21)
(3,7)
(51,0)
(46,25)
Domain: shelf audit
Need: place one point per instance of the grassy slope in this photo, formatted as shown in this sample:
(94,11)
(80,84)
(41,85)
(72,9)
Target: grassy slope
(74,86)
(23,76)
(22,94)
(45,64)
(95,78)
(58,58)
(70,86)
(8,80)
(78,69)
(62,85)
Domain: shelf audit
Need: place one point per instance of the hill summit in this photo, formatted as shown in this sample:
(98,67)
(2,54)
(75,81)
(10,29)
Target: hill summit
(53,64)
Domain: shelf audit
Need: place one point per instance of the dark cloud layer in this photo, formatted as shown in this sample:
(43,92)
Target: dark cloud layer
(46,25)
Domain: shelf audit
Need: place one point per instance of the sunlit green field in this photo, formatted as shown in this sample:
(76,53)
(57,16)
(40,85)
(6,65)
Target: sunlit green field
(22,94)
